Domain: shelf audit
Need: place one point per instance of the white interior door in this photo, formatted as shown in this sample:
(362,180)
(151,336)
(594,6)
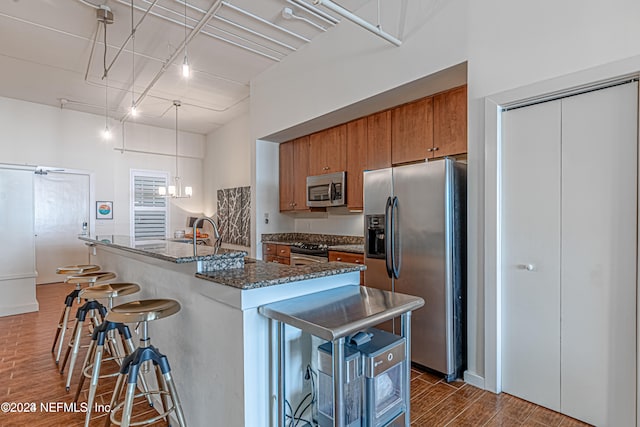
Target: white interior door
(61,206)
(530,246)
(599,217)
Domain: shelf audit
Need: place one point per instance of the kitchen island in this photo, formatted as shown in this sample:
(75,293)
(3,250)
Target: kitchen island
(218,344)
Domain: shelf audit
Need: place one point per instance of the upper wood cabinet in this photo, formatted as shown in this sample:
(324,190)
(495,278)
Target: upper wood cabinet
(294,168)
(286,176)
(356,161)
(412,131)
(328,152)
(450,122)
(379,140)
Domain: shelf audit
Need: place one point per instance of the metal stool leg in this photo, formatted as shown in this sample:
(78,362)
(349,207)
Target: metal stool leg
(74,352)
(176,400)
(63,324)
(81,317)
(90,356)
(97,361)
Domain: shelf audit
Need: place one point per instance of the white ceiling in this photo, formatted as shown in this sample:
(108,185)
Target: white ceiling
(46,55)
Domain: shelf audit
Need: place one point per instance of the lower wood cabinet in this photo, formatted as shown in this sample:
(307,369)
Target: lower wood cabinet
(350,258)
(276,253)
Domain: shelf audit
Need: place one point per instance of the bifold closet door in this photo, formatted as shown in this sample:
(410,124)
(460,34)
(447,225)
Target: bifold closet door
(530,246)
(599,232)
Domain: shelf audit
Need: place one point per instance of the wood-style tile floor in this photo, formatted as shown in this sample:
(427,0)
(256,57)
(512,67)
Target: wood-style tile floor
(437,403)
(28,374)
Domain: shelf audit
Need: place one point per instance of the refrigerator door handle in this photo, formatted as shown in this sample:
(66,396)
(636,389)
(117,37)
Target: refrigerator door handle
(395,234)
(388,243)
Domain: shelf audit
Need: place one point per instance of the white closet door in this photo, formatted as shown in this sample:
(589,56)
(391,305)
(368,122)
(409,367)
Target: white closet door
(599,217)
(530,245)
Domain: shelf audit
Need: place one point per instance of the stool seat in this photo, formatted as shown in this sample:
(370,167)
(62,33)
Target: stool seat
(110,290)
(143,311)
(77,269)
(91,278)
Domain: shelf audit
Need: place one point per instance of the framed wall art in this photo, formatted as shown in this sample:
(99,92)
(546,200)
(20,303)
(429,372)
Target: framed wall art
(104,210)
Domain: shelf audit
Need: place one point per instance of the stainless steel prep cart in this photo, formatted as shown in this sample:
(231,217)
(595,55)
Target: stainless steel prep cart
(333,315)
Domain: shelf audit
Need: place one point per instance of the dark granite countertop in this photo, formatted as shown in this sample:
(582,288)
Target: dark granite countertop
(165,249)
(259,274)
(355,249)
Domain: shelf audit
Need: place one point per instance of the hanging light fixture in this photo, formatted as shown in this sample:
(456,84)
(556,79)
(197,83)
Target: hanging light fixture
(186,69)
(133,111)
(106,17)
(175,191)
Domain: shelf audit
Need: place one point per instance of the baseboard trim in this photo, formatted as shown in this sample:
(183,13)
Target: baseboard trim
(19,309)
(474,379)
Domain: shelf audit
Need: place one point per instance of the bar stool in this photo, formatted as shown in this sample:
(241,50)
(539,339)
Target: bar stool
(68,302)
(101,335)
(91,308)
(143,312)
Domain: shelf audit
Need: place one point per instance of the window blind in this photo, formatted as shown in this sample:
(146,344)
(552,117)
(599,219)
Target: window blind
(149,208)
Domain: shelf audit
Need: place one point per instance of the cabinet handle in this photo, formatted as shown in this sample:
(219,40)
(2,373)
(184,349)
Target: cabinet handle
(429,150)
(338,259)
(281,251)
(357,261)
(528,267)
(326,168)
(436,148)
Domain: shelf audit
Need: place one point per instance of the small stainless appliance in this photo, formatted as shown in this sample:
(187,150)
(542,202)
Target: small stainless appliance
(385,373)
(326,190)
(303,253)
(352,388)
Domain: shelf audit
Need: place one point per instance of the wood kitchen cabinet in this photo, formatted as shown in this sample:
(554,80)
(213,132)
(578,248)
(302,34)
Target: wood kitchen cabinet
(378,140)
(328,151)
(356,162)
(450,122)
(294,168)
(349,257)
(276,253)
(412,131)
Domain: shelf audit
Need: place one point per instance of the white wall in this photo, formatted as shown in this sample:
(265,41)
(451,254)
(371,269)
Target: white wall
(42,135)
(507,45)
(227,160)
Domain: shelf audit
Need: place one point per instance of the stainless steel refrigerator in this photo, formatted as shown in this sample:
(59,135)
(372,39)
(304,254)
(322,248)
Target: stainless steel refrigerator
(415,243)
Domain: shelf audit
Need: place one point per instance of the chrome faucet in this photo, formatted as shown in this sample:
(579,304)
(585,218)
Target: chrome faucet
(216,234)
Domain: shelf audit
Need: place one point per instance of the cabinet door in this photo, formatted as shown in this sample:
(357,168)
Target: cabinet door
(356,161)
(412,131)
(300,167)
(599,255)
(286,176)
(350,258)
(328,150)
(450,122)
(530,247)
(379,140)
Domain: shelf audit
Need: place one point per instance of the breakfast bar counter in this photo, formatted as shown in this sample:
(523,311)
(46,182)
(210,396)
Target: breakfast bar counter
(218,343)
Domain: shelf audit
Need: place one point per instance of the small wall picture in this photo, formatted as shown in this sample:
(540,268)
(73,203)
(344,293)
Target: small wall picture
(104,210)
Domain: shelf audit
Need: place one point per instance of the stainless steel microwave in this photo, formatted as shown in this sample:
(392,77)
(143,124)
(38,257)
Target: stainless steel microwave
(326,190)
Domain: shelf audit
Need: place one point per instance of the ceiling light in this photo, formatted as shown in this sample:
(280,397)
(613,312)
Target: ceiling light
(186,70)
(133,111)
(106,133)
(175,191)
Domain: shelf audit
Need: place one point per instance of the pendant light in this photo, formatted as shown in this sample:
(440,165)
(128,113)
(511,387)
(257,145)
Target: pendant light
(105,17)
(133,111)
(175,191)
(186,69)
